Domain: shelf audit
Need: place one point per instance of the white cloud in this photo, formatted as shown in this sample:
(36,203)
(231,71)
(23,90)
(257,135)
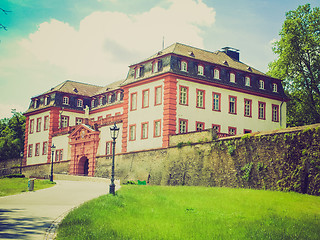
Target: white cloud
(107,42)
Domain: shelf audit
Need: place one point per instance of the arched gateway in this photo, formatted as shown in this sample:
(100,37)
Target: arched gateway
(84,143)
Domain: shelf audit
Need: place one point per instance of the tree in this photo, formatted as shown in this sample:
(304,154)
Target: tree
(6,13)
(12,136)
(298,64)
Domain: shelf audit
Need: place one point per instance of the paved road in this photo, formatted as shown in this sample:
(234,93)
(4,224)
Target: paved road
(29,215)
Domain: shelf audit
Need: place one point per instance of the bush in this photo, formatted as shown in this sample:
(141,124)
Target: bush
(15,175)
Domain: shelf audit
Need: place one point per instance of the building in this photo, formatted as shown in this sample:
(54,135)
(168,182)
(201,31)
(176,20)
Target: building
(177,90)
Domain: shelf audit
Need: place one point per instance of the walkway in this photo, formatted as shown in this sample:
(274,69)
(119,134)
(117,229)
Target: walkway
(29,215)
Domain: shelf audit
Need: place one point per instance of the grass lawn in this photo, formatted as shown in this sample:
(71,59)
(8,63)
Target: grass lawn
(158,212)
(10,186)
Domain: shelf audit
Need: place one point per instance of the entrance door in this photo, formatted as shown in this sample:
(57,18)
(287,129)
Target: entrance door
(83,166)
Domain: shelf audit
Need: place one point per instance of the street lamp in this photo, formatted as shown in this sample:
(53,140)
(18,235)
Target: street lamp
(21,157)
(53,147)
(114,131)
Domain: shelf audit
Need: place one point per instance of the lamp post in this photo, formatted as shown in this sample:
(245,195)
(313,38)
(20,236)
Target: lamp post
(53,147)
(114,131)
(21,157)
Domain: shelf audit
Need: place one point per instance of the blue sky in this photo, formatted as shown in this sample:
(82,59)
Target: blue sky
(94,41)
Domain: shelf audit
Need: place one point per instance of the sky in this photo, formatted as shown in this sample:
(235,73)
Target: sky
(94,41)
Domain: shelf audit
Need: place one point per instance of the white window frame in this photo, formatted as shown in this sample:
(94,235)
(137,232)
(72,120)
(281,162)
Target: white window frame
(247,81)
(261,84)
(200,70)
(184,66)
(274,87)
(65,100)
(232,77)
(216,73)
(64,121)
(183,126)
(79,103)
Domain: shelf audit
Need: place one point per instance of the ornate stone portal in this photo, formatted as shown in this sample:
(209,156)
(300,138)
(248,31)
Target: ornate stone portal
(84,142)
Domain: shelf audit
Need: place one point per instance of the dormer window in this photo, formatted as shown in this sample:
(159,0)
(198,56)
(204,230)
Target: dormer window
(138,72)
(46,100)
(65,100)
(247,81)
(101,101)
(200,70)
(274,87)
(155,66)
(232,77)
(261,84)
(79,103)
(216,73)
(184,66)
(92,103)
(35,103)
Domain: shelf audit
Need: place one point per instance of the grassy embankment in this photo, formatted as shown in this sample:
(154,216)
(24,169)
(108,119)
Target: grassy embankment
(157,212)
(10,186)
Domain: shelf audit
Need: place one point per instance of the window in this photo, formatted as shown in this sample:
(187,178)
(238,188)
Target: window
(262,110)
(35,103)
(158,95)
(79,103)
(117,113)
(30,147)
(108,115)
(232,130)
(38,124)
(275,113)
(216,106)
(155,67)
(79,121)
(200,70)
(44,148)
(101,101)
(261,84)
(133,101)
(232,77)
(232,105)
(184,66)
(109,148)
(200,98)
(247,81)
(46,123)
(59,155)
(246,131)
(216,127)
(183,126)
(132,132)
(157,128)
(138,72)
(46,100)
(144,130)
(99,118)
(247,107)
(274,87)
(31,130)
(92,103)
(37,152)
(64,121)
(183,95)
(216,74)
(199,126)
(65,101)
(145,98)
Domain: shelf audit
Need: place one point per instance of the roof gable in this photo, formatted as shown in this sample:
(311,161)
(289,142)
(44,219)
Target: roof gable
(82,132)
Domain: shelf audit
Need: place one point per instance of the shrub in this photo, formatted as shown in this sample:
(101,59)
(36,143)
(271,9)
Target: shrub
(246,169)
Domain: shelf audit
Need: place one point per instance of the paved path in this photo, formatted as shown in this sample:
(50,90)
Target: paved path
(29,215)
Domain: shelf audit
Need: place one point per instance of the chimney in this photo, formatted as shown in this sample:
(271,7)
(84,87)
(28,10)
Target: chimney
(232,52)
